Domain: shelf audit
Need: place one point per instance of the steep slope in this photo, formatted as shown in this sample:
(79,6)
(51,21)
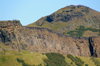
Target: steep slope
(69,18)
(15,37)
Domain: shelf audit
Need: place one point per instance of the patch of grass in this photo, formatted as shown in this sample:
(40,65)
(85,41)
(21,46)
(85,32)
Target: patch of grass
(77,60)
(86,64)
(23,63)
(47,25)
(87,60)
(58,26)
(68,60)
(19,60)
(27,57)
(3,59)
(18,54)
(8,60)
(96,62)
(72,33)
(80,31)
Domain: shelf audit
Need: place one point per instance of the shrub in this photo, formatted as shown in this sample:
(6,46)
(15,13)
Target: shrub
(40,65)
(43,53)
(80,31)
(77,60)
(55,59)
(86,64)
(82,28)
(71,57)
(23,63)
(20,61)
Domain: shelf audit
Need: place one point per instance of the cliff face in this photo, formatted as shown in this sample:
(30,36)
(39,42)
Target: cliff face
(94,46)
(8,35)
(15,37)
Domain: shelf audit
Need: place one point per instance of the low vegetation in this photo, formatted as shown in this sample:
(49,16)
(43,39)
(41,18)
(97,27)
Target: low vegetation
(26,58)
(80,31)
(55,59)
(77,60)
(96,62)
(23,63)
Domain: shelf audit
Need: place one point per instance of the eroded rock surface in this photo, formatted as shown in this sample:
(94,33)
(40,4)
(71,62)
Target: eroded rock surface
(15,37)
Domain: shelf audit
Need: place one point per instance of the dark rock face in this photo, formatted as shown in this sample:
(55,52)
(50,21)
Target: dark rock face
(49,18)
(95,46)
(91,46)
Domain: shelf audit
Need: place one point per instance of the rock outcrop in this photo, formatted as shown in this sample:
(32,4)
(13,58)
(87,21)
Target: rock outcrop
(15,37)
(95,46)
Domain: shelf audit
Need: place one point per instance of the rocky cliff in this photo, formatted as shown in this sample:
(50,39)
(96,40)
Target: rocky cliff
(15,37)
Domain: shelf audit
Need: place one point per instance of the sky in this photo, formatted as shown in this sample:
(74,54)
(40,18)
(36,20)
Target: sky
(29,11)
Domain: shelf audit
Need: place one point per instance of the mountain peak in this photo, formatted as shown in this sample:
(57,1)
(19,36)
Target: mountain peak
(70,18)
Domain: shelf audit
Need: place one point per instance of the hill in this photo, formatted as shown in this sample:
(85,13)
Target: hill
(68,19)
(68,37)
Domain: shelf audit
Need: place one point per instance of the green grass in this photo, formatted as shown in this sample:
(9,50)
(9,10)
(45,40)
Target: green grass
(87,60)
(56,27)
(96,61)
(3,59)
(77,60)
(26,58)
(68,60)
(80,31)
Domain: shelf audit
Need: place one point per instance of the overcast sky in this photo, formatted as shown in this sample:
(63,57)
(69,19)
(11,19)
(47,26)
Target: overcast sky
(29,11)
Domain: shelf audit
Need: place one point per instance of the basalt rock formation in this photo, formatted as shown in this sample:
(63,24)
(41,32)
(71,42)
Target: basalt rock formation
(15,37)
(94,45)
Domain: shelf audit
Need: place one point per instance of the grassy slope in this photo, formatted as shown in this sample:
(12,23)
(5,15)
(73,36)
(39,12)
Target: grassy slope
(29,58)
(88,61)
(55,26)
(69,60)
(33,59)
